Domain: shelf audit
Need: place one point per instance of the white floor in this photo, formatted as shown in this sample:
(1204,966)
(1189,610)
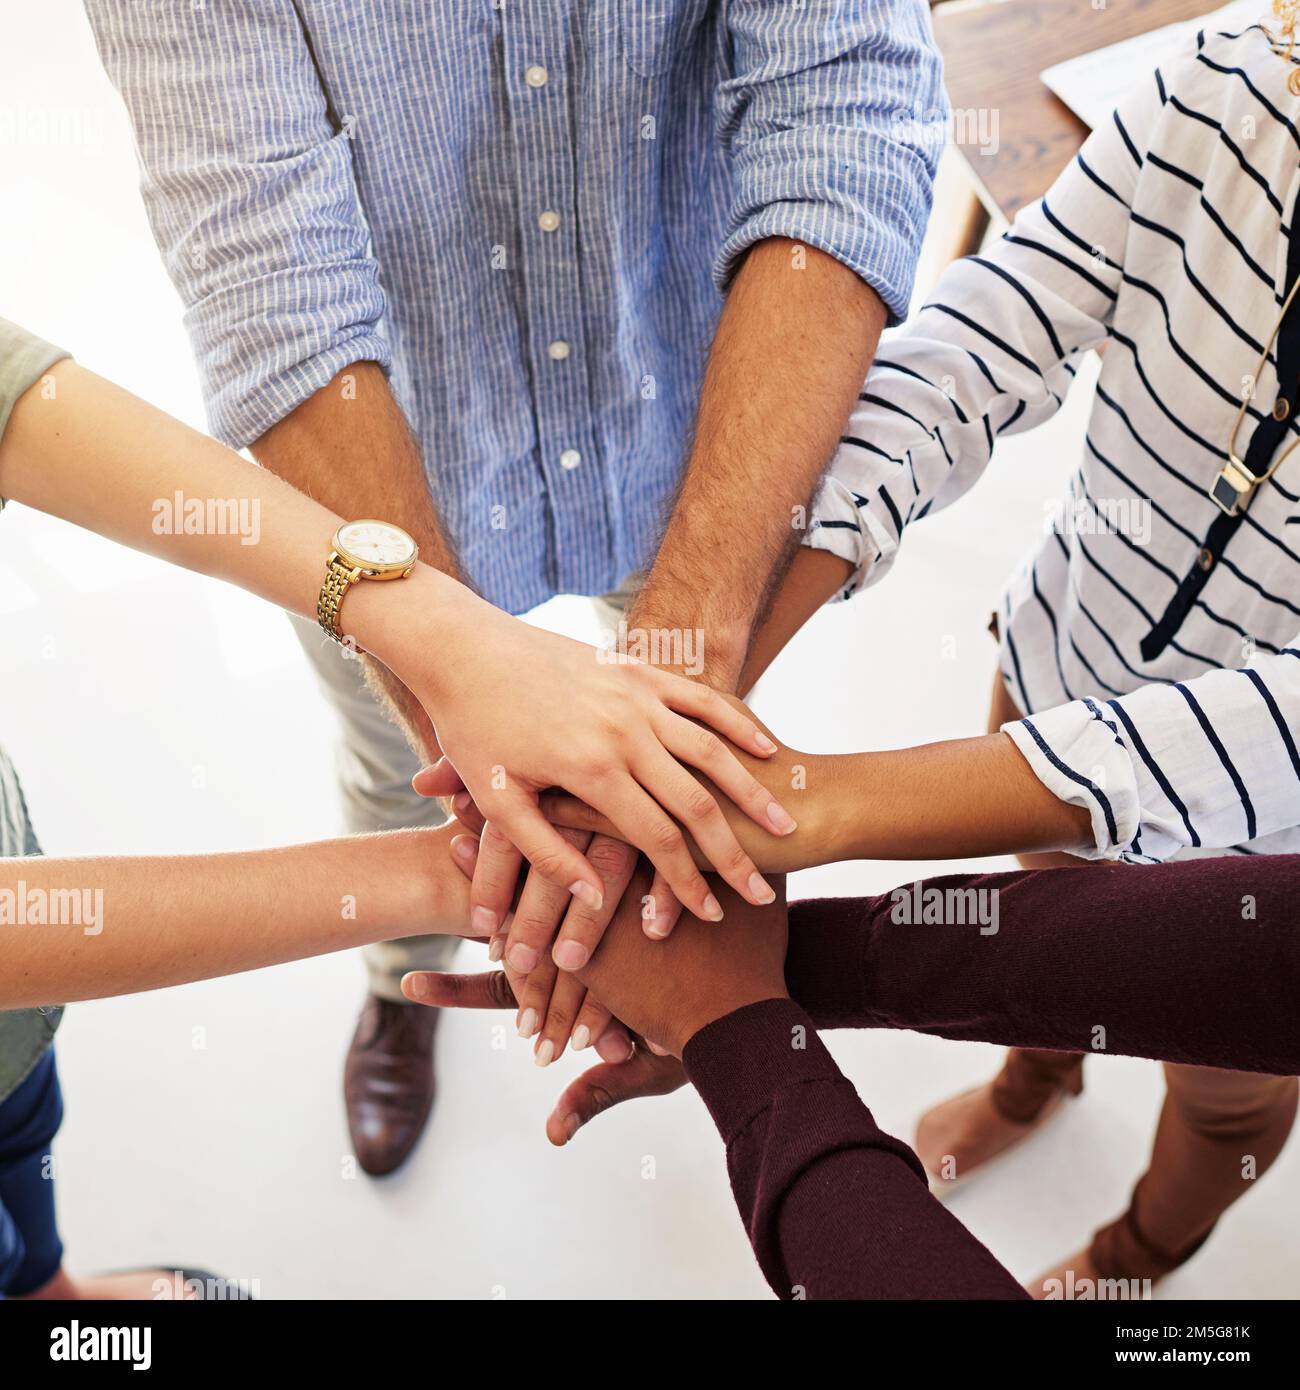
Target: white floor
(149,710)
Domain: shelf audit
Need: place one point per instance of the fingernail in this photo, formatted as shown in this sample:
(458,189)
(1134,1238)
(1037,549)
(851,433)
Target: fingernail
(712,909)
(420,986)
(464,847)
(461,802)
(484,921)
(528,1023)
(581,1038)
(764,742)
(571,1126)
(759,890)
(659,926)
(571,955)
(545,1054)
(522,958)
(496,948)
(586,894)
(781,819)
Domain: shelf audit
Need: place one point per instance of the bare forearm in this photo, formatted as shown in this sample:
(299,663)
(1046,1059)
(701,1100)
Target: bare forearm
(349,446)
(88,928)
(813,577)
(99,457)
(793,346)
(963,798)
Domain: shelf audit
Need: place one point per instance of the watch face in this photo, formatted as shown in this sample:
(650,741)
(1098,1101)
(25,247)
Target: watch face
(376,543)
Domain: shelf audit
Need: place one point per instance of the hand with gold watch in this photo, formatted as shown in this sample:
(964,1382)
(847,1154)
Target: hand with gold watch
(517,710)
(366,549)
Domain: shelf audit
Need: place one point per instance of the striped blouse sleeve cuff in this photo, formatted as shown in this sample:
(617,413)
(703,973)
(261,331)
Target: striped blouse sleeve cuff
(838,524)
(1078,753)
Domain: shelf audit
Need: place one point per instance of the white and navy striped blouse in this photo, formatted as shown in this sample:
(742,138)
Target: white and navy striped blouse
(1151,640)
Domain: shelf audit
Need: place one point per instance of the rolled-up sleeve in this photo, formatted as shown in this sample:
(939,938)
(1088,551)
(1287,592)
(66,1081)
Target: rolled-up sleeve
(993,350)
(1210,762)
(247,180)
(833,117)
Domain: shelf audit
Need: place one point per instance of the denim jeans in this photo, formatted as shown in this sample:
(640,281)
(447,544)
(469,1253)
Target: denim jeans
(30,1248)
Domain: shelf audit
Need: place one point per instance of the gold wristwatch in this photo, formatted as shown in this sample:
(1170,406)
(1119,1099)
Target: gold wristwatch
(361,550)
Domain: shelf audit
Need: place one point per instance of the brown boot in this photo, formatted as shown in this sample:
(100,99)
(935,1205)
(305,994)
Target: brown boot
(388,1082)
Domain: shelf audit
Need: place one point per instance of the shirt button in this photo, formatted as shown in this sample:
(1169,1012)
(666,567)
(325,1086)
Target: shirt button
(536,75)
(1205,560)
(1281,408)
(548,221)
(570,459)
(557,351)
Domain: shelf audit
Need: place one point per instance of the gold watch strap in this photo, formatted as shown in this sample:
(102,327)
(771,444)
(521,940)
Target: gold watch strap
(338,579)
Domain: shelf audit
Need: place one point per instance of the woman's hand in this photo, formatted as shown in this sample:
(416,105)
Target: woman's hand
(814,785)
(545,917)
(518,710)
(551,1006)
(666,991)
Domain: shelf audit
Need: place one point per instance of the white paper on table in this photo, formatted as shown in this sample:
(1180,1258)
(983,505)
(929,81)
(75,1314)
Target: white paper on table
(1093,84)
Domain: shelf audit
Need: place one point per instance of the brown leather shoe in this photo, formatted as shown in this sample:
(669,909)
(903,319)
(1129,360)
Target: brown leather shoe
(388,1082)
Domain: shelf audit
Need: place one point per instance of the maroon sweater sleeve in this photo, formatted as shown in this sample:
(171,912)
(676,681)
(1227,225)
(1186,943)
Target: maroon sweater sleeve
(1195,962)
(834,1208)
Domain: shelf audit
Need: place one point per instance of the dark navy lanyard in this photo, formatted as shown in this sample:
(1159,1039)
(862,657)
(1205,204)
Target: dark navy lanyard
(1264,443)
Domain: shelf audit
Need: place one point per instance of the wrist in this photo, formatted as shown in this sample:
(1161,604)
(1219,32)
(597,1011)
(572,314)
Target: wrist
(714,1010)
(400,621)
(423,892)
(822,802)
(713,652)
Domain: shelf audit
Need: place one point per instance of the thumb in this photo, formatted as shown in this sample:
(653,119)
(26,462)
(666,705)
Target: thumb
(443,990)
(440,779)
(609,1084)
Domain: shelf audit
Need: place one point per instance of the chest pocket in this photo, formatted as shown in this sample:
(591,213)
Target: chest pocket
(647,29)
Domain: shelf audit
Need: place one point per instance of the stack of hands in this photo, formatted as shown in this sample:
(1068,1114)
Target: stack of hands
(607,969)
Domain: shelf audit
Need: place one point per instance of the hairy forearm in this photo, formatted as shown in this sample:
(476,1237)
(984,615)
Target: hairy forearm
(88,928)
(792,348)
(349,446)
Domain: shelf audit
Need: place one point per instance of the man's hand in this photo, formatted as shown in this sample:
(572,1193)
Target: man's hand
(670,989)
(625,1074)
(568,1013)
(552,1004)
(666,991)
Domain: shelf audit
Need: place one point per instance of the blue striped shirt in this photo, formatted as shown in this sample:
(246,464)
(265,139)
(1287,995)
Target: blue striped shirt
(527,210)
